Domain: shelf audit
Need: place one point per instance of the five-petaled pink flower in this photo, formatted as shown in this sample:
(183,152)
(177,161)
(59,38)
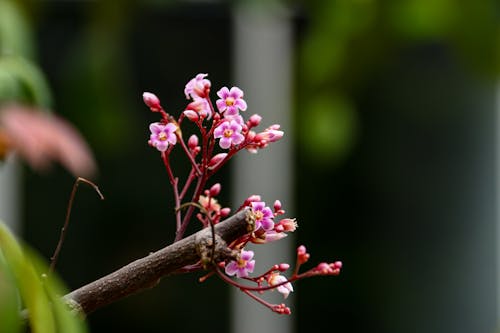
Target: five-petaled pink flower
(198,87)
(162,135)
(242,266)
(263,215)
(285,288)
(229,133)
(231,100)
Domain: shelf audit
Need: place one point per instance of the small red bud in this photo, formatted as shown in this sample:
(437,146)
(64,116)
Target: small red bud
(216,160)
(193,142)
(152,101)
(191,115)
(225,212)
(252,198)
(254,120)
(283,267)
(215,190)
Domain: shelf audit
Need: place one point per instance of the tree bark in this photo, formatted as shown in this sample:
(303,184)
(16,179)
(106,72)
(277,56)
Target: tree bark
(146,272)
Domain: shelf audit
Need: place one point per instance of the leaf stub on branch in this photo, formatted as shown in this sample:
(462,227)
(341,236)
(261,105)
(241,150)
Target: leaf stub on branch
(146,272)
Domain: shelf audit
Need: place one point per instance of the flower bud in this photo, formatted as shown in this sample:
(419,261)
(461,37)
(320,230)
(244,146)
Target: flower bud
(269,135)
(191,115)
(215,190)
(252,198)
(254,120)
(225,212)
(152,101)
(216,160)
(277,205)
(193,142)
(283,266)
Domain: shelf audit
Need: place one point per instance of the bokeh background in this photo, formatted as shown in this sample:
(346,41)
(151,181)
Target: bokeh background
(394,153)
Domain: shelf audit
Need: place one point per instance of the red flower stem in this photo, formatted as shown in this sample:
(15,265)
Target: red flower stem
(189,180)
(258,299)
(174,182)
(199,186)
(249,288)
(188,153)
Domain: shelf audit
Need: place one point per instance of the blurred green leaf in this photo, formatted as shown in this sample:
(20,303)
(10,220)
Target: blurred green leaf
(9,301)
(21,80)
(331,128)
(15,35)
(423,19)
(40,294)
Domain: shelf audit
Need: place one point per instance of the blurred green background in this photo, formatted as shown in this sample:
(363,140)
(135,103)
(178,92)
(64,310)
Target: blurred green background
(395,115)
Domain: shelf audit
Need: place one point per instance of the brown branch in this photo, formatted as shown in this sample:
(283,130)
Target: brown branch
(146,272)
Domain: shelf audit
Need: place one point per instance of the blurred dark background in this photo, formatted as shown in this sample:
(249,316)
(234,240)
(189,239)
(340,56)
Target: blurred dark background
(395,115)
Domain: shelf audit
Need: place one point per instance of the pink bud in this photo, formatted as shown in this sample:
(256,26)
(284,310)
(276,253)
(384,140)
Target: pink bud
(272,236)
(283,267)
(215,190)
(193,142)
(323,268)
(191,115)
(250,135)
(216,160)
(337,264)
(254,120)
(302,255)
(277,205)
(152,101)
(269,135)
(252,198)
(225,212)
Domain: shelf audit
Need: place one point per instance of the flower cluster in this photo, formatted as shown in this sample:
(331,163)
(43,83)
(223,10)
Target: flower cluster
(222,133)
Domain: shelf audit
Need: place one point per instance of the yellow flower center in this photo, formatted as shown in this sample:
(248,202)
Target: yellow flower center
(258,215)
(230,101)
(242,263)
(162,136)
(228,133)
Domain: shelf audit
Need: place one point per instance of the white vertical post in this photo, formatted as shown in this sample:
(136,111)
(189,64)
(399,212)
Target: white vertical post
(262,68)
(9,193)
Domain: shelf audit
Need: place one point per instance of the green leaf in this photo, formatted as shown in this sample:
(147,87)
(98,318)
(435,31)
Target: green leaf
(332,124)
(21,80)
(40,294)
(15,32)
(9,301)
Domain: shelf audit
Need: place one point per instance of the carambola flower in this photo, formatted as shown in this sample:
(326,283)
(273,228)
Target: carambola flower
(162,135)
(242,266)
(229,133)
(263,215)
(198,87)
(231,100)
(285,288)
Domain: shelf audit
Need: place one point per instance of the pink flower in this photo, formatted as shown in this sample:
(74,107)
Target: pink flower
(198,87)
(231,100)
(263,215)
(242,266)
(229,133)
(162,135)
(201,107)
(285,288)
